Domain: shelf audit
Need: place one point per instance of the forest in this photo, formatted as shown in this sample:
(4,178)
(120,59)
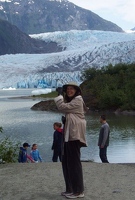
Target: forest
(110,87)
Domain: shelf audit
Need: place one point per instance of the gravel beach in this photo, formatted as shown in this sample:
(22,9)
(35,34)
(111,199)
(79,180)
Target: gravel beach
(44,181)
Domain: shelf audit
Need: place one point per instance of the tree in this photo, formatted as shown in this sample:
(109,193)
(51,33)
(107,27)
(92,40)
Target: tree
(111,87)
(8,150)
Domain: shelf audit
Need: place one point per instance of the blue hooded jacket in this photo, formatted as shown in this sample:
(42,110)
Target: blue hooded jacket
(22,155)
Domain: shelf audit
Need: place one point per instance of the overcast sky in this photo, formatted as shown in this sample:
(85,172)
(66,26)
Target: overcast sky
(120,12)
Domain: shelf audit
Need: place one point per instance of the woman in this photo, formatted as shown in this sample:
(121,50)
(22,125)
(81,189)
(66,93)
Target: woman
(74,138)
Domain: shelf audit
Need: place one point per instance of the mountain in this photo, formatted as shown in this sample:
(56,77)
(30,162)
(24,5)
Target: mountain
(39,16)
(83,49)
(12,41)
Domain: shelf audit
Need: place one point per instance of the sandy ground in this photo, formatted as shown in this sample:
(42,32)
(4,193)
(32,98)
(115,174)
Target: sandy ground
(44,181)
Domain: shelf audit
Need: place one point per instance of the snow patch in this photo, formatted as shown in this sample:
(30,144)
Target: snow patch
(41,91)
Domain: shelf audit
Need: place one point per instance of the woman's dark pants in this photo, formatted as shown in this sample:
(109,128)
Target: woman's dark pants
(72,167)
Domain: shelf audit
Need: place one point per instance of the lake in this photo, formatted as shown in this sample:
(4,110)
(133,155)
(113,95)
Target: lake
(25,125)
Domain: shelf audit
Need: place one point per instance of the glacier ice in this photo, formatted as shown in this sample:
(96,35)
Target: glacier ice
(83,49)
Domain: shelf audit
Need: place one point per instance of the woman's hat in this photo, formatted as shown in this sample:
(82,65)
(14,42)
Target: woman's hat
(71,84)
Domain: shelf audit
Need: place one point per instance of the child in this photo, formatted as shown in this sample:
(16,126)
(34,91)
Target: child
(57,142)
(23,156)
(35,153)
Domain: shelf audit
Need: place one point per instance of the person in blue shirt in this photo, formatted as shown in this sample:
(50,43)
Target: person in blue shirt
(35,153)
(23,156)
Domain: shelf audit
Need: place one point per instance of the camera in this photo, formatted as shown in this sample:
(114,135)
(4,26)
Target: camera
(59,90)
(63,119)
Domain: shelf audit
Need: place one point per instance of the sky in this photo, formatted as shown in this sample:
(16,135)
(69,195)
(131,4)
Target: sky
(120,12)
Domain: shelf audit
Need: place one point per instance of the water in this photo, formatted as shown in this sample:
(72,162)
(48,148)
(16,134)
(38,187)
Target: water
(24,125)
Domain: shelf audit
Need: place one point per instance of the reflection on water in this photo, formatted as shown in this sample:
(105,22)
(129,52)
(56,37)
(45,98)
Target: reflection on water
(22,124)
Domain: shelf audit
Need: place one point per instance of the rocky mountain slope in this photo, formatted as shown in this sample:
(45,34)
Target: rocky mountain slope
(39,16)
(13,41)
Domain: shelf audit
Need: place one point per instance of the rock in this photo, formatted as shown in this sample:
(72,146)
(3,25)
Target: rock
(47,105)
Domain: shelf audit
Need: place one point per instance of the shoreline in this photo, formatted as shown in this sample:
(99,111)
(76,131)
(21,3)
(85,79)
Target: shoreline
(44,181)
(41,106)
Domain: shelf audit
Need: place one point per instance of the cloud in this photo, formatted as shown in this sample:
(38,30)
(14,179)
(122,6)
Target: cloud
(128,10)
(117,11)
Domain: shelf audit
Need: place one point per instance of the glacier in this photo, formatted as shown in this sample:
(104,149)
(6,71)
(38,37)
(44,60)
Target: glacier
(81,49)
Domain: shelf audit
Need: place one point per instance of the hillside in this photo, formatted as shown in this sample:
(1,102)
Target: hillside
(13,41)
(34,16)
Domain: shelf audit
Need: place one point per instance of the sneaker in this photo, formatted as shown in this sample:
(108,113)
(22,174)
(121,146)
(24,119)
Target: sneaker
(75,196)
(66,194)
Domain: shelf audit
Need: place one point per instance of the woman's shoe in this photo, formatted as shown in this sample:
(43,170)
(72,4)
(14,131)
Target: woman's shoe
(75,196)
(66,194)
